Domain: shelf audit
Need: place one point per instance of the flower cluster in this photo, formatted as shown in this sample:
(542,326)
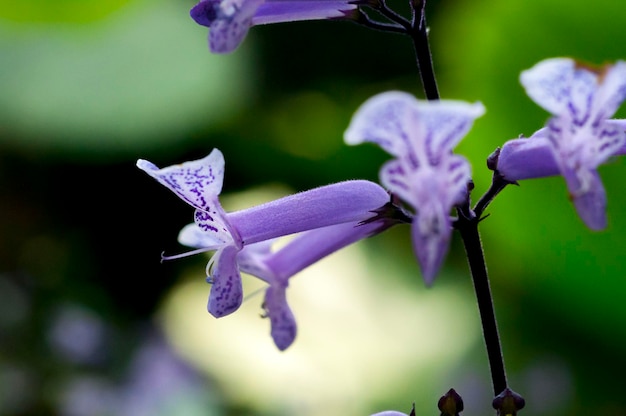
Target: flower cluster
(425,174)
(422,185)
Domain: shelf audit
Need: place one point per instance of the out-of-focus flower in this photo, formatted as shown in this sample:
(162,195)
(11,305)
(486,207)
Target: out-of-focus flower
(199,183)
(425,173)
(230,20)
(579,136)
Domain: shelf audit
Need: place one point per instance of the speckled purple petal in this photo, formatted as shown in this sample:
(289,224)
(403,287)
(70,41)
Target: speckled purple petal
(213,221)
(385,119)
(226,292)
(612,91)
(283,323)
(431,232)
(589,197)
(621,124)
(397,179)
(550,83)
(232,24)
(591,205)
(430,250)
(192,236)
(421,132)
(442,125)
(198,182)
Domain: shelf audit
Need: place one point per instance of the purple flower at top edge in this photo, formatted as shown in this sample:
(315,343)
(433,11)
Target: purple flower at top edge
(425,173)
(199,183)
(578,137)
(230,20)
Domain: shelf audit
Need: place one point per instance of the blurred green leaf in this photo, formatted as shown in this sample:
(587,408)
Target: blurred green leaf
(141,78)
(58,10)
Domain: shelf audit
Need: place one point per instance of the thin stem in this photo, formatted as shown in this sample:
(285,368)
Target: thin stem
(468,228)
(384,10)
(365,20)
(498,183)
(419,36)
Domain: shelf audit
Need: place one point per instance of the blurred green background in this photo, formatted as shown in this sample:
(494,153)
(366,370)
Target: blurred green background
(91,323)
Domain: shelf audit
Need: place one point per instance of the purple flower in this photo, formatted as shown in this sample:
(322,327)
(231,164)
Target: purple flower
(425,174)
(230,20)
(199,183)
(276,268)
(578,138)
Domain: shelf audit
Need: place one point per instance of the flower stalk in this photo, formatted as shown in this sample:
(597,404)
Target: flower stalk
(419,36)
(468,227)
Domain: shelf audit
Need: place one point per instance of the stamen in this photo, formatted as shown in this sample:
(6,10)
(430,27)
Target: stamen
(253,294)
(186,254)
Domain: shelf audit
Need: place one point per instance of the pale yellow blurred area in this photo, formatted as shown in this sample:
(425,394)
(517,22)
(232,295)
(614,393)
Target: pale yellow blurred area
(363,336)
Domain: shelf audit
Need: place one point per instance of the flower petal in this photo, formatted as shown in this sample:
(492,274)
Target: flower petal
(385,119)
(621,124)
(612,91)
(311,246)
(431,232)
(589,199)
(407,128)
(227,291)
(232,24)
(197,182)
(349,201)
(205,12)
(563,86)
(397,180)
(282,321)
(297,10)
(193,236)
(252,258)
(549,82)
(213,221)
(443,124)
(527,158)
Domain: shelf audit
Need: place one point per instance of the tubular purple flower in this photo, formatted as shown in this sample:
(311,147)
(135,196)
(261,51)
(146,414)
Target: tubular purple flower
(230,20)
(199,183)
(276,268)
(425,174)
(579,136)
